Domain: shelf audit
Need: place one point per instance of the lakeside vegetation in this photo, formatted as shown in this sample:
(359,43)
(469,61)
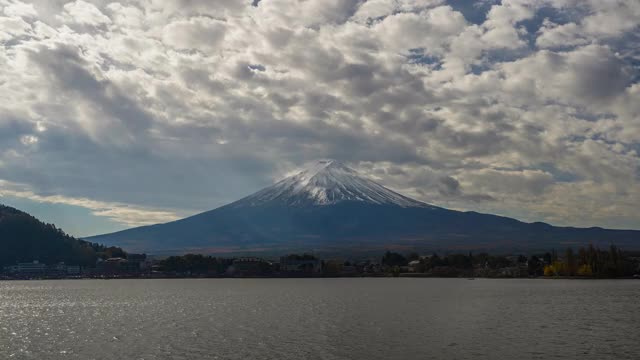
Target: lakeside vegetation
(586,263)
(589,262)
(592,262)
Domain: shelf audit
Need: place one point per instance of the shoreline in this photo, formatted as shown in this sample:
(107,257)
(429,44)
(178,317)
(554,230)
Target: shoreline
(405,276)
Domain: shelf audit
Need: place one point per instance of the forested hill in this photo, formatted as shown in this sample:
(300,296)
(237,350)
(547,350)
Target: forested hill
(23,238)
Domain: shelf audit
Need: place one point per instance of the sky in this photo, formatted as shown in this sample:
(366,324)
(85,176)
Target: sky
(120,114)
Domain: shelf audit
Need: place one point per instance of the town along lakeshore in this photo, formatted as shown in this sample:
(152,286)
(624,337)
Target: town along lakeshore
(585,263)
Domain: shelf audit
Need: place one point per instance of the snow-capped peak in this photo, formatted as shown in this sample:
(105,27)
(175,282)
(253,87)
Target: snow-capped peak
(327,182)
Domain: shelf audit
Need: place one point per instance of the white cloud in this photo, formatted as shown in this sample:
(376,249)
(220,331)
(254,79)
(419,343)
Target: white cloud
(11,28)
(589,75)
(122,213)
(566,35)
(502,28)
(375,9)
(604,20)
(196,33)
(20,9)
(29,139)
(189,104)
(431,29)
(83,13)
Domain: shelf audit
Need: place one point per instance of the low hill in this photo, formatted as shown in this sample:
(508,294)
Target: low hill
(23,238)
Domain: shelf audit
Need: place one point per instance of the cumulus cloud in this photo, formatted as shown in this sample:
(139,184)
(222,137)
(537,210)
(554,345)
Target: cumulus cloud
(19,9)
(83,13)
(195,33)
(521,108)
(431,29)
(372,10)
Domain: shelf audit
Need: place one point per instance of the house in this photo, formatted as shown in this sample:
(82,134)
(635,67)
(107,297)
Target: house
(300,264)
(340,268)
(117,265)
(34,267)
(370,266)
(249,266)
(73,270)
(58,269)
(138,261)
(415,266)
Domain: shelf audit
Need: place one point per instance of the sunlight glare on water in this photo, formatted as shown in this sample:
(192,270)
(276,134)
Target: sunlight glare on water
(320,319)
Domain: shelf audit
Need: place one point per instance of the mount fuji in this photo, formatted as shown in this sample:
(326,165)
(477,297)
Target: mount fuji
(327,182)
(329,207)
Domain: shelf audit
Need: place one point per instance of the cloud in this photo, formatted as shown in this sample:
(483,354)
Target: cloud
(512,107)
(83,13)
(558,36)
(20,9)
(585,75)
(509,183)
(125,214)
(13,27)
(430,29)
(377,9)
(196,33)
(168,8)
(450,188)
(102,108)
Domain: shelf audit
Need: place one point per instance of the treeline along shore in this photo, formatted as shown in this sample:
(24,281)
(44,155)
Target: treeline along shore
(31,249)
(584,263)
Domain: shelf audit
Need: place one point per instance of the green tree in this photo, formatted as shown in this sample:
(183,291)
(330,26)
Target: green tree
(394,259)
(571,265)
(535,266)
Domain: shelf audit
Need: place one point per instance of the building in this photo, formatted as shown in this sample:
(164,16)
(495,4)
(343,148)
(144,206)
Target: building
(58,269)
(333,267)
(28,268)
(371,266)
(415,266)
(37,268)
(73,270)
(300,264)
(138,261)
(249,266)
(340,268)
(117,266)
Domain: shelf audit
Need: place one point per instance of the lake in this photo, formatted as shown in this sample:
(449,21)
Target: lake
(349,318)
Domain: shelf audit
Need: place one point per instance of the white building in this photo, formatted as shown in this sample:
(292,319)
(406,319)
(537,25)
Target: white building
(34,267)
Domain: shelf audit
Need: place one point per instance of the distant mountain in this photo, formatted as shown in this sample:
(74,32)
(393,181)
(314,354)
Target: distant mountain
(23,238)
(329,207)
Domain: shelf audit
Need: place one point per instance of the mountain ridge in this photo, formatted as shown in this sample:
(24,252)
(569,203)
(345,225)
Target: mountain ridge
(24,238)
(330,206)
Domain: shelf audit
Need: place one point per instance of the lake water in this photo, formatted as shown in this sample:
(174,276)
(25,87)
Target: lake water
(368,318)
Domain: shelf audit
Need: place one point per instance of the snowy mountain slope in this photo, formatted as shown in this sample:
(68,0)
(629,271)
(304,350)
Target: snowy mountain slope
(327,182)
(329,206)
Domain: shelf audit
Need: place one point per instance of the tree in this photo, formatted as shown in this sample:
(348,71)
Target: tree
(23,238)
(570,262)
(393,259)
(585,270)
(535,266)
(549,270)
(195,264)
